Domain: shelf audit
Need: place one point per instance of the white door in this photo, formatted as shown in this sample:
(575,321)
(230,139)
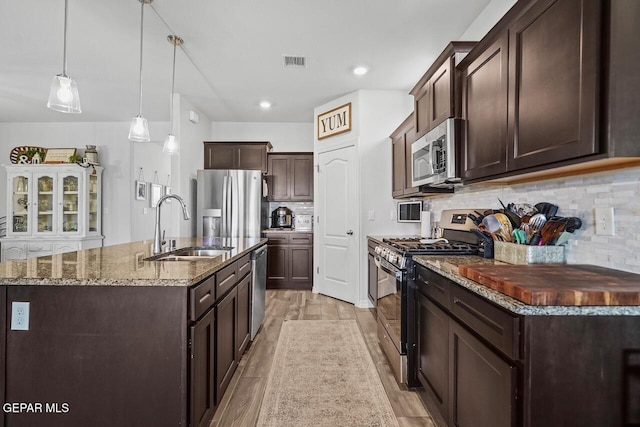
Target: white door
(337,228)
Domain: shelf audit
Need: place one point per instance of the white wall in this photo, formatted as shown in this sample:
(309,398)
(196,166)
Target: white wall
(487,19)
(283,136)
(375,115)
(123,219)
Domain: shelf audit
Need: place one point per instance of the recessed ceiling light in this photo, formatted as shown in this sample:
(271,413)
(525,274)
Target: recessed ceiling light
(265,105)
(360,71)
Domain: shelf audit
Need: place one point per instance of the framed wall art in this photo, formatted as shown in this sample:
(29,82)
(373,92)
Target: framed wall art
(334,122)
(141,190)
(59,155)
(155,193)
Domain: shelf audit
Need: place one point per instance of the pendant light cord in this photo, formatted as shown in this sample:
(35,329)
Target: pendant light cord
(173,81)
(141,38)
(64,49)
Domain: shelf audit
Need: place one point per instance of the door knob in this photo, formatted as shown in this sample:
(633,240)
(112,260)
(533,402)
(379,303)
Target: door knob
(350,232)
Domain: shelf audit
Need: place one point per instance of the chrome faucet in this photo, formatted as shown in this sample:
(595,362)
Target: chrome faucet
(157,240)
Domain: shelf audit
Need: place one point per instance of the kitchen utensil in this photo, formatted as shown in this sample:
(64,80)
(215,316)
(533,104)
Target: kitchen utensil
(486,243)
(572,224)
(548,209)
(505,227)
(492,223)
(550,231)
(523,209)
(519,236)
(535,225)
(513,217)
(563,238)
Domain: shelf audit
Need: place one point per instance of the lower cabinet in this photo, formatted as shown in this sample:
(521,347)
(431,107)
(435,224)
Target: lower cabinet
(226,342)
(372,279)
(289,260)
(243,332)
(469,382)
(201,374)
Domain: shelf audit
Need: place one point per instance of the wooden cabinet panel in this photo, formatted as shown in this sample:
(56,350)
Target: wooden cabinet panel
(421,108)
(401,140)
(277,262)
(244,315)
(289,260)
(301,263)
(226,342)
(432,361)
(482,385)
(226,279)
(441,100)
(290,176)
(202,297)
(553,83)
(202,402)
(279,178)
(236,155)
(219,156)
(302,177)
(398,166)
(484,105)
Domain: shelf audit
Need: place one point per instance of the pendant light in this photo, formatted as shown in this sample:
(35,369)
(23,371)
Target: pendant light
(63,95)
(139,129)
(171,143)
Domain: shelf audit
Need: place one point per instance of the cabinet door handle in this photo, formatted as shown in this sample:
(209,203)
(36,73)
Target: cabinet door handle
(350,232)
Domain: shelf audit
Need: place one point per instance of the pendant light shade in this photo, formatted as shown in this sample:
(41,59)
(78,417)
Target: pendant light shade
(139,129)
(63,95)
(171,143)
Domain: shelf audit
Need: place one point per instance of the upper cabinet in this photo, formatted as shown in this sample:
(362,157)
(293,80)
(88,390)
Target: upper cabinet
(436,95)
(236,155)
(538,90)
(290,177)
(401,140)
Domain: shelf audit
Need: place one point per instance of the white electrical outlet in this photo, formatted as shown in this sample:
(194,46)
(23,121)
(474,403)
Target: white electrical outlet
(372,215)
(19,316)
(604,222)
(145,211)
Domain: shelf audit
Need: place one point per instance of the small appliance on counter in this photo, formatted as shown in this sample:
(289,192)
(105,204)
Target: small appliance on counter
(282,217)
(303,222)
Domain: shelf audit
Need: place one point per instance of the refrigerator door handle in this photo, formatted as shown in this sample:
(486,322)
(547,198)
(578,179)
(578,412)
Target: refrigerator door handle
(230,205)
(225,205)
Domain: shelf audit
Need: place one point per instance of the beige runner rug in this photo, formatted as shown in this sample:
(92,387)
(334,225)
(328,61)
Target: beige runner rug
(323,375)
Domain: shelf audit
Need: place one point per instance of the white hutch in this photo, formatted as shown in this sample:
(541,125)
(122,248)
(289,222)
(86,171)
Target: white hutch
(52,209)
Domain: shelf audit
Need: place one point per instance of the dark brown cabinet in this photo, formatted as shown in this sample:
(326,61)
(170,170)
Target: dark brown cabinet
(236,155)
(482,365)
(201,372)
(290,176)
(432,362)
(289,260)
(542,92)
(484,108)
(244,314)
(436,95)
(467,380)
(482,385)
(226,342)
(401,140)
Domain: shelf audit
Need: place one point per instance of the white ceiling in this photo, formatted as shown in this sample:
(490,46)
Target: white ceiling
(232,56)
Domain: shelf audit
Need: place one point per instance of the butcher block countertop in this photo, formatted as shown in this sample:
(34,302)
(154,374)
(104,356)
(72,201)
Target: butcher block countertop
(123,265)
(549,284)
(586,300)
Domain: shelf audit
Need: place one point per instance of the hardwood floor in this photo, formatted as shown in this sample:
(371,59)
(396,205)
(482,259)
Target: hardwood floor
(241,403)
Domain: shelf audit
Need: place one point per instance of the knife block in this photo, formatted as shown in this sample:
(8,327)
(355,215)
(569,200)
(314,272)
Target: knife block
(513,253)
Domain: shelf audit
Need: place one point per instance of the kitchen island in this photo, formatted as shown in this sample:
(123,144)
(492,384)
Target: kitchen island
(117,340)
(485,358)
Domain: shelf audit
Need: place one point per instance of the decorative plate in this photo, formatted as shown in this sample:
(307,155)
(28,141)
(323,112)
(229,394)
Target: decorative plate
(24,154)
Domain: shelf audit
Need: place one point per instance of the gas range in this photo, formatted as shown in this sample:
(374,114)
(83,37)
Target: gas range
(457,239)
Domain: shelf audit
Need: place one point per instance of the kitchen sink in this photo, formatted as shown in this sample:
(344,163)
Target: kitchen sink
(191,254)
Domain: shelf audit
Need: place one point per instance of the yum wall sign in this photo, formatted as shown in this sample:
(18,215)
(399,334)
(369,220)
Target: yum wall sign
(335,121)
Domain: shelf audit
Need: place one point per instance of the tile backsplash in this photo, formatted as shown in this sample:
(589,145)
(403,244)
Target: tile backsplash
(576,196)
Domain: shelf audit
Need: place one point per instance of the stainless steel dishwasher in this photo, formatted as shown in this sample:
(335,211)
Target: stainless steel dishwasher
(259,278)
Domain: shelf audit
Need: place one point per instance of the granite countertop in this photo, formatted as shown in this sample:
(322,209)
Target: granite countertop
(448,266)
(285,230)
(123,265)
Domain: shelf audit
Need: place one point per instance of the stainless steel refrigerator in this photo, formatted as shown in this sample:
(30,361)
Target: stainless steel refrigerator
(229,203)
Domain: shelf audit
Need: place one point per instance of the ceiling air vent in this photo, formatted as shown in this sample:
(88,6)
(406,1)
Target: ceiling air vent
(291,61)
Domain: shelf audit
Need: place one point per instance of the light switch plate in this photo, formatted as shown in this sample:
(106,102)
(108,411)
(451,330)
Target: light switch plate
(19,316)
(371,215)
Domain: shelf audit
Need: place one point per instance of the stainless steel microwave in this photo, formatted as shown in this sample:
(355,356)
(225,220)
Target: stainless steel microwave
(433,157)
(409,211)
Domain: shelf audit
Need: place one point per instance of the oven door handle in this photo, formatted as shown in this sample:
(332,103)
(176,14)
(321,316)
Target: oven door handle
(388,268)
